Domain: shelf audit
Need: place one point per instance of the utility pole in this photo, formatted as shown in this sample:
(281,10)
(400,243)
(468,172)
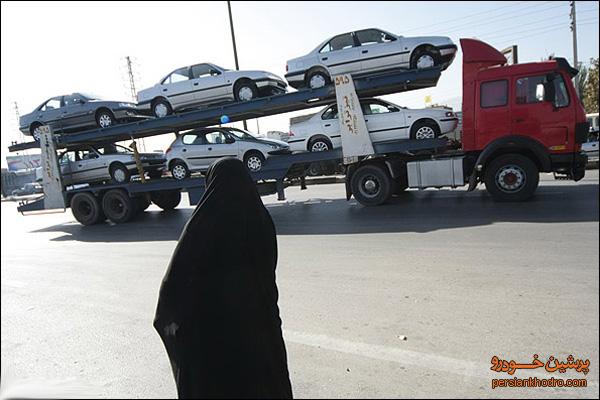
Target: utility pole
(237,66)
(574,30)
(131,80)
(133,91)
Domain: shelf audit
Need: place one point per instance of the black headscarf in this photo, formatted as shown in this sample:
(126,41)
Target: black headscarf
(217,311)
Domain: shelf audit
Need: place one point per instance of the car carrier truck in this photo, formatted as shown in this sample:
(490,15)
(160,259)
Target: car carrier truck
(518,121)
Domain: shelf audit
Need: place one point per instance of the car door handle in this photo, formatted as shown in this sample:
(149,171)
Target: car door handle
(324,58)
(165,89)
(366,120)
(519,119)
(327,124)
(365,51)
(196,84)
(184,150)
(210,148)
(79,165)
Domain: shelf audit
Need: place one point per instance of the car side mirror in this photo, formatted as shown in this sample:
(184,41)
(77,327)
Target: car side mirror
(229,140)
(81,101)
(394,109)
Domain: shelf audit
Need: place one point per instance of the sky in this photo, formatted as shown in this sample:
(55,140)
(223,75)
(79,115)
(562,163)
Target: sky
(49,49)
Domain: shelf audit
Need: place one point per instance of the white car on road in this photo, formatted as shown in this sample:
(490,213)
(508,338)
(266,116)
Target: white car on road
(367,50)
(385,121)
(206,83)
(197,149)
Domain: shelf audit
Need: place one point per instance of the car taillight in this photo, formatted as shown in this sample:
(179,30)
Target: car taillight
(286,67)
(168,150)
(291,133)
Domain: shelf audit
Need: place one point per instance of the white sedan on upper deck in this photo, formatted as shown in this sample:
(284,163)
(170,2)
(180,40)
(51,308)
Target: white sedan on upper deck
(367,50)
(385,121)
(204,84)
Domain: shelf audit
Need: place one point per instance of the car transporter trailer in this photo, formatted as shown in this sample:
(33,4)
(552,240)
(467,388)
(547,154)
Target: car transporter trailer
(374,171)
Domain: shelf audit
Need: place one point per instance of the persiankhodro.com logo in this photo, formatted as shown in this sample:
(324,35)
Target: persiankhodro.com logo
(535,382)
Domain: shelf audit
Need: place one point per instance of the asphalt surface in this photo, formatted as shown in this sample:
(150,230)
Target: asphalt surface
(410,299)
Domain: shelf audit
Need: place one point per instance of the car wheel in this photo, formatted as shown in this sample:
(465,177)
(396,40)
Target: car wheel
(511,177)
(317,79)
(245,91)
(36,131)
(371,185)
(119,173)
(254,161)
(424,130)
(104,119)
(179,170)
(319,144)
(424,59)
(161,108)
(86,209)
(118,206)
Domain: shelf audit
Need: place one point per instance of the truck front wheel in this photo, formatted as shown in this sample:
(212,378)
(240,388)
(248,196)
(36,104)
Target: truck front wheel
(511,177)
(371,185)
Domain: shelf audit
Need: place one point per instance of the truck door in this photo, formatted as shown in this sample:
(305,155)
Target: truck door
(492,116)
(542,109)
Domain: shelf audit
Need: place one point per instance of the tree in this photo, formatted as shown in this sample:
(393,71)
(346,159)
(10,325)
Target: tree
(590,91)
(580,80)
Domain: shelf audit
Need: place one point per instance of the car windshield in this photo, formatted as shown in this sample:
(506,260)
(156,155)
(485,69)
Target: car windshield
(241,134)
(113,149)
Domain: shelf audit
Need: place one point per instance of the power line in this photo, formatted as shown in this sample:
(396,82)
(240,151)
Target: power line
(468,16)
(494,20)
(527,30)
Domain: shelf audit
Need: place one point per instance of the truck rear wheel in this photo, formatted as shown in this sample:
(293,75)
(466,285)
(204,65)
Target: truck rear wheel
(511,177)
(371,185)
(86,209)
(118,206)
(167,199)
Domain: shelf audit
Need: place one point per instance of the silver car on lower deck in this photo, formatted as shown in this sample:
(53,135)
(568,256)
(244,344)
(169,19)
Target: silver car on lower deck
(109,162)
(197,149)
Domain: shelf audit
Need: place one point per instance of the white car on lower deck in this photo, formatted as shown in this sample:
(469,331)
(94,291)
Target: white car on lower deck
(385,121)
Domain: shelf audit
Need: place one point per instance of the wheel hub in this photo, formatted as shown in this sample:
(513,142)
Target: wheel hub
(245,93)
(425,61)
(510,178)
(160,110)
(317,81)
(254,163)
(319,146)
(119,175)
(178,172)
(425,132)
(105,121)
(369,186)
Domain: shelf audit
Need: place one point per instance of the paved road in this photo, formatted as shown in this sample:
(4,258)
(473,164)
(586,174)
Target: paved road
(411,299)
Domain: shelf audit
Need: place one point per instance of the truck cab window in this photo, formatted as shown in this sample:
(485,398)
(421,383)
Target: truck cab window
(561,93)
(494,94)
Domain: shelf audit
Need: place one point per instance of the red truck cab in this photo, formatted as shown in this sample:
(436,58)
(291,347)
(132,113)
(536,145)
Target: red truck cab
(530,111)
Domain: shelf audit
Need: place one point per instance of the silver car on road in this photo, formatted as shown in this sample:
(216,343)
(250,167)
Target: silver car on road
(87,164)
(206,83)
(197,149)
(367,50)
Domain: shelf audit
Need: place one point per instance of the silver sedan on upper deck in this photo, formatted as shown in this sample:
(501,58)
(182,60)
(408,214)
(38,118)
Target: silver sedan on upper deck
(367,50)
(202,84)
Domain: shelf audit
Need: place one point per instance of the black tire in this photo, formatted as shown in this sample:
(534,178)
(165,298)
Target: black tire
(166,199)
(158,102)
(248,89)
(105,118)
(320,75)
(511,177)
(319,144)
(424,130)
(119,173)
(254,160)
(143,202)
(32,130)
(179,170)
(118,206)
(371,185)
(424,53)
(86,209)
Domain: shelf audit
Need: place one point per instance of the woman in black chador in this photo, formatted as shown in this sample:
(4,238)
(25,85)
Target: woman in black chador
(217,311)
